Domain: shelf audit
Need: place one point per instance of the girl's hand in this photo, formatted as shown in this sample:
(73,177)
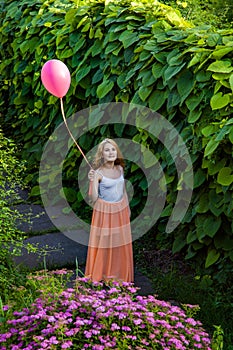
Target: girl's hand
(94,178)
(91,174)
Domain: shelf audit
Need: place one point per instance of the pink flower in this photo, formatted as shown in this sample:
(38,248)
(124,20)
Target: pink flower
(87,334)
(114,327)
(67,344)
(191,321)
(197,338)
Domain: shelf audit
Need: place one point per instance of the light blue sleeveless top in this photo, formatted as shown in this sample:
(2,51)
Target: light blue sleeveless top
(111,190)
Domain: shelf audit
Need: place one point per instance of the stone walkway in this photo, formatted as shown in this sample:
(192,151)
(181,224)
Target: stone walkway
(57,250)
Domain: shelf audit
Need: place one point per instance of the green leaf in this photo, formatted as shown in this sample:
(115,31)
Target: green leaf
(173,100)
(104,88)
(208,130)
(213,39)
(215,209)
(191,237)
(225,243)
(176,19)
(128,38)
(119,129)
(185,85)
(70,14)
(86,27)
(29,45)
(225,177)
(111,47)
(66,53)
(96,48)
(220,67)
(136,99)
(39,104)
(219,100)
(211,225)
(211,147)
(193,101)
(203,76)
(231,135)
(35,191)
(166,211)
(80,42)
(157,99)
(144,92)
(199,220)
(70,194)
(203,204)
(143,184)
(20,100)
(194,116)
(172,71)
(231,82)
(199,178)
(212,257)
(97,76)
(147,78)
(178,244)
(82,73)
(148,159)
(222,133)
(219,53)
(213,166)
(67,210)
(157,70)
(221,76)
(199,57)
(134,167)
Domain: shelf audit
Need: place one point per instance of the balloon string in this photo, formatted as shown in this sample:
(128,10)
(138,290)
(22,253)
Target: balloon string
(64,118)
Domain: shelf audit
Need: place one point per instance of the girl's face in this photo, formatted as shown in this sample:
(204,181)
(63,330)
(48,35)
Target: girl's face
(109,152)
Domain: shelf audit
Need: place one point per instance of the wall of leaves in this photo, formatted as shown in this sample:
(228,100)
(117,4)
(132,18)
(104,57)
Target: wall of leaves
(139,52)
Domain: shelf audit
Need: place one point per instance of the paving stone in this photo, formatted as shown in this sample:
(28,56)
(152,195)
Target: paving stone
(35,218)
(56,249)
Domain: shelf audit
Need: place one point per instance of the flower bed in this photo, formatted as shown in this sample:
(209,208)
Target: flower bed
(96,316)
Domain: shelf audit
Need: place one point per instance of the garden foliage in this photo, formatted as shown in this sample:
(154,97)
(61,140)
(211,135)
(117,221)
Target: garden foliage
(10,236)
(139,52)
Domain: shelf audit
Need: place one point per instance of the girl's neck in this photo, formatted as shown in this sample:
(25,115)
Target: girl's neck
(109,165)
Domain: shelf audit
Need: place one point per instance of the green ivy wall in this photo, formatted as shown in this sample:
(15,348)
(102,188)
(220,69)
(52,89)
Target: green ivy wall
(145,53)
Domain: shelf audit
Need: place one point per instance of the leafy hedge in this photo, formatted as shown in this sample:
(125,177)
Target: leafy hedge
(145,53)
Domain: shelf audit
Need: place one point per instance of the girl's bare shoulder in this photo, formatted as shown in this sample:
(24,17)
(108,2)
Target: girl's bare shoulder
(121,169)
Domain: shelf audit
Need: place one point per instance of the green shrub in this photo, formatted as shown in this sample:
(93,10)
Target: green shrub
(144,53)
(10,236)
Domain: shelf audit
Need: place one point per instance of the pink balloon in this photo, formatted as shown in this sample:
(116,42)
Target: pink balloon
(55,77)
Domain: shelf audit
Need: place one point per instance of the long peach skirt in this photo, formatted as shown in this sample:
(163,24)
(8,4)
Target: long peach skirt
(110,254)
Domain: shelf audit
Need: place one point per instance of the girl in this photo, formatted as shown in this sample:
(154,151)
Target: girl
(109,253)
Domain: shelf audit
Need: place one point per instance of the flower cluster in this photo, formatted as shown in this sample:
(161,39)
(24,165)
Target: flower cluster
(98,317)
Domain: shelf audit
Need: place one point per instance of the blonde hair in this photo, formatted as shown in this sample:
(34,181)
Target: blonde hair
(98,159)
